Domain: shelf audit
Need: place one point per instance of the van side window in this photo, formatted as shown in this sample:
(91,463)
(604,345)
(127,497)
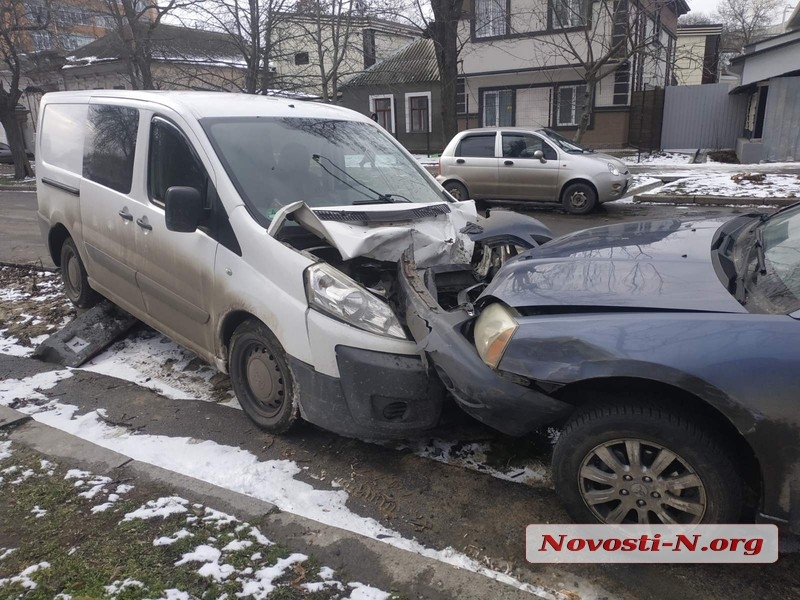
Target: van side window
(172,162)
(62,147)
(480,146)
(110,146)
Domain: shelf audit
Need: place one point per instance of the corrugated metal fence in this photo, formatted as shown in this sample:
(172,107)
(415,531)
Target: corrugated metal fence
(702,116)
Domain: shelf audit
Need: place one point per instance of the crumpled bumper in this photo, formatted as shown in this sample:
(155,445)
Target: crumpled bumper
(503,401)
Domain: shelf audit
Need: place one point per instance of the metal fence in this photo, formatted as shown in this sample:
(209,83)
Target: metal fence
(702,116)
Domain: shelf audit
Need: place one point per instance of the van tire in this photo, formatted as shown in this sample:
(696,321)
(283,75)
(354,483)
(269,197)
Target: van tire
(457,190)
(261,378)
(73,276)
(579,198)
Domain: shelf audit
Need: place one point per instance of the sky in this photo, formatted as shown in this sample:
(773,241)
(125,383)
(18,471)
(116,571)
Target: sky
(709,6)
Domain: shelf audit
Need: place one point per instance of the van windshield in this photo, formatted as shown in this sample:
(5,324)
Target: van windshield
(275,161)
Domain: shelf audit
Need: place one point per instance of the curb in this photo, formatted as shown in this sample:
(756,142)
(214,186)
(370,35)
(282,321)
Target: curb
(363,558)
(712,200)
(17,188)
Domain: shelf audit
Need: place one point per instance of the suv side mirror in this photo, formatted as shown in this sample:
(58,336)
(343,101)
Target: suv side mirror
(183,208)
(539,155)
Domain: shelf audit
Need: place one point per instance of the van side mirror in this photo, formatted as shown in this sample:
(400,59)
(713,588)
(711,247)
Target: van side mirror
(183,208)
(539,155)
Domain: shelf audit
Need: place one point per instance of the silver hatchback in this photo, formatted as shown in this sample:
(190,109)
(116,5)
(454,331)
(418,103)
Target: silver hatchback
(516,164)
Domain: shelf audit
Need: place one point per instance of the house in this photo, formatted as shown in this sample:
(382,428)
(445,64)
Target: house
(769,73)
(697,54)
(520,67)
(401,94)
(307,45)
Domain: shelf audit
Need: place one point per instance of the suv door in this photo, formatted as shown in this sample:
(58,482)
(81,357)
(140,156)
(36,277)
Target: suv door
(175,271)
(523,177)
(107,226)
(475,163)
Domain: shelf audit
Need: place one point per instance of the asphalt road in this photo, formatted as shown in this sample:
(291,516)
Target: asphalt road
(440,505)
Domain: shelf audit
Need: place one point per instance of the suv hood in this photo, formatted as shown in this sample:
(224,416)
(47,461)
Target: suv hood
(655,265)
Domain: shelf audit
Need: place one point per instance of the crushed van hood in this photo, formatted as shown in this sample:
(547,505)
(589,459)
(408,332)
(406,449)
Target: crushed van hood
(383,232)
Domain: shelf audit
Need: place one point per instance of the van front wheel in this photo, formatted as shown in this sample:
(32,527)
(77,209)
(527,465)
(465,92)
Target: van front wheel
(73,275)
(261,378)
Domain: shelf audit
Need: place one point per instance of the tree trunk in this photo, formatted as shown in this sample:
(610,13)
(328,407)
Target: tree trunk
(444,32)
(22,166)
(588,107)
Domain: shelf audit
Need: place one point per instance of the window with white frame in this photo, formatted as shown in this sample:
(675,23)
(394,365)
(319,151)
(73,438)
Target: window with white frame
(418,112)
(498,108)
(569,104)
(491,18)
(382,110)
(569,13)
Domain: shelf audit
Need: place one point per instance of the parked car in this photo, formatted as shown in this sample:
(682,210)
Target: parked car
(5,154)
(263,234)
(668,352)
(522,165)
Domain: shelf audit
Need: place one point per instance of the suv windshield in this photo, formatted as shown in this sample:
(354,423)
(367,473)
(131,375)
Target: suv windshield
(565,144)
(274,161)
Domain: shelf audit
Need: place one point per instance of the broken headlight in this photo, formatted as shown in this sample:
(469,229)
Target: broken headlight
(334,293)
(493,330)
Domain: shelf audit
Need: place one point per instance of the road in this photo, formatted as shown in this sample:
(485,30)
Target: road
(438,504)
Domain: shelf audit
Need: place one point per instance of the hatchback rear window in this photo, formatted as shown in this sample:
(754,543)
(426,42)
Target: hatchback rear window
(477,146)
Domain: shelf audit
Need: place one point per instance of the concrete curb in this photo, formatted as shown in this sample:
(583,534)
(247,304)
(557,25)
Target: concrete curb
(712,200)
(362,558)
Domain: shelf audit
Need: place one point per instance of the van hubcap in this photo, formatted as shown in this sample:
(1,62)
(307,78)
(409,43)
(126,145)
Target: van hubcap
(636,481)
(264,379)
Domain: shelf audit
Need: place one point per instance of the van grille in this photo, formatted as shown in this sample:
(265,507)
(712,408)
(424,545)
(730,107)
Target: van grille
(355,216)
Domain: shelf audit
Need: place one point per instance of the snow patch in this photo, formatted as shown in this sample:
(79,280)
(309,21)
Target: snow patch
(163,507)
(166,541)
(24,578)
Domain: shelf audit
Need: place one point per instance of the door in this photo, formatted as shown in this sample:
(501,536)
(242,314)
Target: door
(175,271)
(521,176)
(105,203)
(475,163)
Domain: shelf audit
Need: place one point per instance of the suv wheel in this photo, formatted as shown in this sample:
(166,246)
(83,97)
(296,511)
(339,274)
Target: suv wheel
(579,198)
(641,463)
(261,378)
(73,275)
(457,190)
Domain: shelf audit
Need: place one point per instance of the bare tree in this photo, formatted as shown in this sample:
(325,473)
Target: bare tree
(18,20)
(748,18)
(696,18)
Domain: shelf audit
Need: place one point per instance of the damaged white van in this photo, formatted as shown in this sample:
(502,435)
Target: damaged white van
(263,234)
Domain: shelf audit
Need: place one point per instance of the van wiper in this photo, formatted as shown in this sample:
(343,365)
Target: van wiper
(377,199)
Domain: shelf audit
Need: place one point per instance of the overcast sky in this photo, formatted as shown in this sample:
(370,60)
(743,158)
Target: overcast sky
(709,6)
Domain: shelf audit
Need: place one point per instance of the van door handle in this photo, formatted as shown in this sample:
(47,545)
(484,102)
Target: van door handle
(144,224)
(125,214)
(460,161)
(509,162)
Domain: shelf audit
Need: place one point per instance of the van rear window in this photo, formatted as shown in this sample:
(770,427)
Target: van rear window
(111,146)
(62,139)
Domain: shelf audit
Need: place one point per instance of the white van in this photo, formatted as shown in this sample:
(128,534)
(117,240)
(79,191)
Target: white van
(262,234)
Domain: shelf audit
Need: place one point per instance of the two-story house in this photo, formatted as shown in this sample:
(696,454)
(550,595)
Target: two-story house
(524,62)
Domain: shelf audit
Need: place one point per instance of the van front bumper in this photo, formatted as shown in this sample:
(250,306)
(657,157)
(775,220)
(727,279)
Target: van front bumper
(377,396)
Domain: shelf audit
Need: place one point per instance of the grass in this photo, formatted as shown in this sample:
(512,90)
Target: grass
(89,551)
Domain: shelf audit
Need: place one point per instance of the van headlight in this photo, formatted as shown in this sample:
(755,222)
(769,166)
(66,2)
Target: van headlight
(493,330)
(614,169)
(334,293)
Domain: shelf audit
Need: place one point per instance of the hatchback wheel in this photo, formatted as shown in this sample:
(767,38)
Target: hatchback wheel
(579,198)
(642,463)
(73,276)
(457,190)
(261,378)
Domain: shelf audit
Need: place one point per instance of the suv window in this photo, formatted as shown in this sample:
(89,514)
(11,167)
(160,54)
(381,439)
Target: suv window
(516,145)
(477,146)
(172,162)
(110,146)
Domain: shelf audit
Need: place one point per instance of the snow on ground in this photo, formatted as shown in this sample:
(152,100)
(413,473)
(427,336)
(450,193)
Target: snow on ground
(773,186)
(659,158)
(225,466)
(426,160)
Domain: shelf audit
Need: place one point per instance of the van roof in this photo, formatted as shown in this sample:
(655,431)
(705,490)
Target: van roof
(218,104)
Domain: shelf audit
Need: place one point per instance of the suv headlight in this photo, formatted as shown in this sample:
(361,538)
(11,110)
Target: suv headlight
(614,169)
(493,331)
(334,293)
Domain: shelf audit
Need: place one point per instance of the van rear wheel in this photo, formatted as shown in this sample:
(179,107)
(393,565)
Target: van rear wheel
(73,275)
(261,378)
